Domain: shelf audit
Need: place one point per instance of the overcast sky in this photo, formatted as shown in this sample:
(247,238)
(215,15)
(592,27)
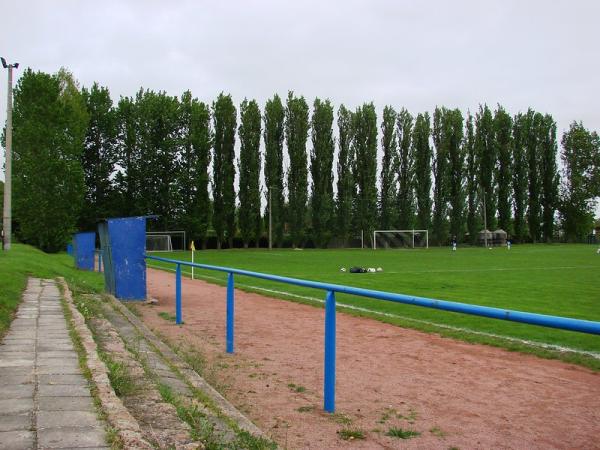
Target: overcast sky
(413,54)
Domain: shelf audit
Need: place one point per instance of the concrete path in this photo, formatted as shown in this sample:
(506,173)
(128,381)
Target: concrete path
(45,401)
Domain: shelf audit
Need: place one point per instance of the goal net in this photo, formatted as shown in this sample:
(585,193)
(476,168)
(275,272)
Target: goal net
(159,243)
(166,241)
(400,239)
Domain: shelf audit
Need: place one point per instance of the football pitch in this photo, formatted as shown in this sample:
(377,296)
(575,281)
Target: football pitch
(560,280)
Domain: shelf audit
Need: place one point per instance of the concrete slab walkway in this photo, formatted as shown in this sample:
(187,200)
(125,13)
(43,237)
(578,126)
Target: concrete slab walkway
(45,401)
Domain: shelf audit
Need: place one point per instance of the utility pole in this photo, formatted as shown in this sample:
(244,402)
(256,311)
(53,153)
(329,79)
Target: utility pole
(485,230)
(270,221)
(6,215)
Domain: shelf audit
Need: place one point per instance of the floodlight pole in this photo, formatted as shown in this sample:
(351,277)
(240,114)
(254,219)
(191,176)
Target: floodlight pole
(6,214)
(270,221)
(485,230)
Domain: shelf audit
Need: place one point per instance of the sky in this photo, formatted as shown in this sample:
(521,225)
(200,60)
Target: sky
(412,54)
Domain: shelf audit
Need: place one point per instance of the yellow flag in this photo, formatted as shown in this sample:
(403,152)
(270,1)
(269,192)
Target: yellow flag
(192,247)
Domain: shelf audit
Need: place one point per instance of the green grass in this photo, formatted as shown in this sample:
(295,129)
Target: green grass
(22,261)
(548,279)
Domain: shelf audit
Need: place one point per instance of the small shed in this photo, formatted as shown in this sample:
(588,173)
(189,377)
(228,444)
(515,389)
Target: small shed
(123,243)
(485,235)
(500,237)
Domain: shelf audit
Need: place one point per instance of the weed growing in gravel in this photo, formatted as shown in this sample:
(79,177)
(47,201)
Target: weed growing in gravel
(402,434)
(304,409)
(340,418)
(296,388)
(437,431)
(349,435)
(167,316)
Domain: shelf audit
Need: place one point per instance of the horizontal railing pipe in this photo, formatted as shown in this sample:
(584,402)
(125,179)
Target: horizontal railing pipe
(563,323)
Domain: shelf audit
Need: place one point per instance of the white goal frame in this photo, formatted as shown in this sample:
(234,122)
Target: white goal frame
(171,233)
(402,231)
(157,248)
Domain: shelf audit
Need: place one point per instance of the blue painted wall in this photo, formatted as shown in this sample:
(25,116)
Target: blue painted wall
(123,242)
(84,246)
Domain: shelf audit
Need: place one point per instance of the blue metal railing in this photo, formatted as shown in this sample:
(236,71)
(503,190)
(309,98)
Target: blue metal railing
(563,323)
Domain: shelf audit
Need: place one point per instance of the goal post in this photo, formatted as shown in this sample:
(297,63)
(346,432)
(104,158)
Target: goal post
(176,240)
(401,238)
(158,243)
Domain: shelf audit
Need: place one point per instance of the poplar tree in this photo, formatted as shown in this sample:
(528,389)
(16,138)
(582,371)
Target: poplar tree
(389,169)
(453,135)
(406,209)
(323,148)
(249,167)
(364,147)
(580,155)
(196,143)
(549,176)
(345,182)
(440,174)
(503,132)
(273,136)
(99,156)
(296,134)
(532,131)
(158,166)
(422,154)
(472,174)
(125,180)
(224,124)
(485,149)
(519,176)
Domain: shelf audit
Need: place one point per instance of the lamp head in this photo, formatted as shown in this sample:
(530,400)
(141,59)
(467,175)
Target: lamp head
(16,65)
(4,63)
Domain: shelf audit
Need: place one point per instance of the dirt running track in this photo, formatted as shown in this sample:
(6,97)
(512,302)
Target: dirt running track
(455,394)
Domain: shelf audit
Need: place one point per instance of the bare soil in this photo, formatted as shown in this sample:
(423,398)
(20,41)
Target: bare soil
(453,393)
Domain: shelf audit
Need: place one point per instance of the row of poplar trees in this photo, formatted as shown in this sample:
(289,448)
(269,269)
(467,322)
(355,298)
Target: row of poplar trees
(78,158)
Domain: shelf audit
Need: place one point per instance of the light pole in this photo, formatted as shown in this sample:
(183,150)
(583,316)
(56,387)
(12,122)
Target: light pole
(485,230)
(270,222)
(6,215)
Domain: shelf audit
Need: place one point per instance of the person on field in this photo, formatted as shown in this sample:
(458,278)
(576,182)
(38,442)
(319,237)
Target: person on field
(453,243)
(508,244)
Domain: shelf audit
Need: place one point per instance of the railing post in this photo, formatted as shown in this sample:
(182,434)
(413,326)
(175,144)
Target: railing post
(329,378)
(100,261)
(178,320)
(230,313)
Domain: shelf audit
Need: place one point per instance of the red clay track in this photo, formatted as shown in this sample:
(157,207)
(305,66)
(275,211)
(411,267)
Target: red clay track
(454,393)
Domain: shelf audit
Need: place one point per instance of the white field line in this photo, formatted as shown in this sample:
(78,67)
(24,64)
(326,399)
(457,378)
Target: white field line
(536,344)
(499,269)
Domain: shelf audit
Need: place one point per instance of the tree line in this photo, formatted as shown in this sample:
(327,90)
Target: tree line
(79,157)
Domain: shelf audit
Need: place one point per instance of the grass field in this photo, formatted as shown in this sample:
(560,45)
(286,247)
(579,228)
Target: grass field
(22,261)
(558,280)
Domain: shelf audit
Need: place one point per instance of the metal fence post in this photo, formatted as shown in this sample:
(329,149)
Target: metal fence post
(329,378)
(100,261)
(230,313)
(178,320)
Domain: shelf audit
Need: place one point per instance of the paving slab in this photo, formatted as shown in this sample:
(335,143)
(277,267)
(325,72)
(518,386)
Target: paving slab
(73,419)
(66,404)
(63,390)
(15,422)
(16,440)
(71,437)
(10,391)
(9,406)
(58,379)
